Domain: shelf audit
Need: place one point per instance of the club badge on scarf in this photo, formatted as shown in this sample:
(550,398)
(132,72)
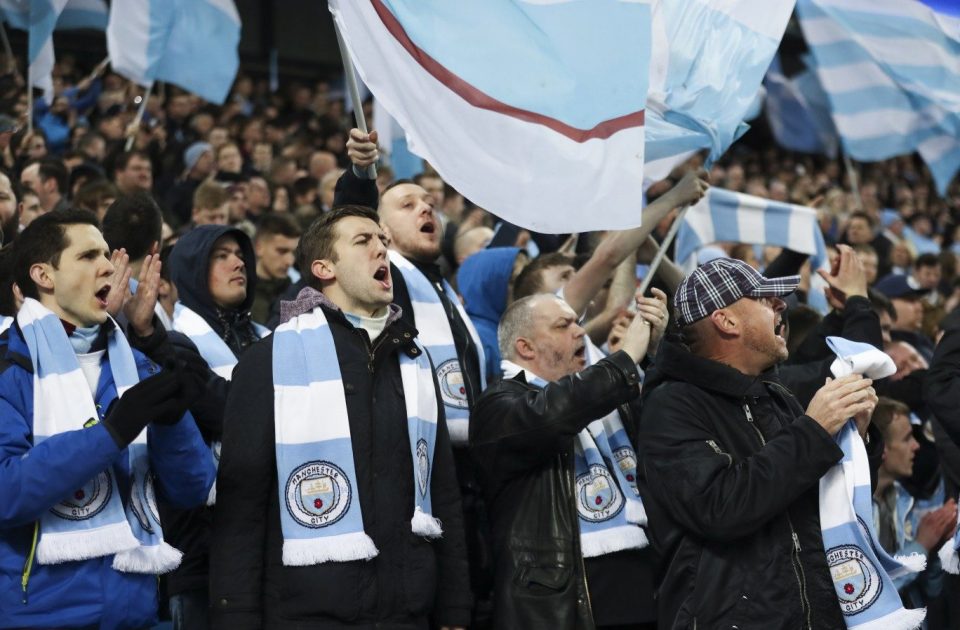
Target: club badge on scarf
(93,521)
(862,571)
(609,509)
(320,513)
(436,335)
(216,353)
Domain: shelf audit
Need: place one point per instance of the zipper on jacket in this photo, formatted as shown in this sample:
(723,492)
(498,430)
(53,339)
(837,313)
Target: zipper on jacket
(576,517)
(28,565)
(795,553)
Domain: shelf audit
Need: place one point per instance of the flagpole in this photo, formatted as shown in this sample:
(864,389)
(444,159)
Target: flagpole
(354,91)
(139,117)
(662,252)
(854,180)
(30,99)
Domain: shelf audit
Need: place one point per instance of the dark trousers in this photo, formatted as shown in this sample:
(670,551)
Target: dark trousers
(188,610)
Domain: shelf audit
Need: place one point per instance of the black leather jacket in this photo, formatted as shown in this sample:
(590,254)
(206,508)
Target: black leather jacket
(522,439)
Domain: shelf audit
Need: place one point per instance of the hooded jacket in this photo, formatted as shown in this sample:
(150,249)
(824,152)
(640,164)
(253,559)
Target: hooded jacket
(189,270)
(484,282)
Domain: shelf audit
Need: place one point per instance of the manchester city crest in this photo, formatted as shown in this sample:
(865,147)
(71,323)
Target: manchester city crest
(143,501)
(318,494)
(452,389)
(598,497)
(627,461)
(87,501)
(423,466)
(855,579)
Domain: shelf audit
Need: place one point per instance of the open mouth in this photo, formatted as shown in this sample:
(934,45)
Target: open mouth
(428,228)
(102,294)
(382,275)
(779,328)
(581,352)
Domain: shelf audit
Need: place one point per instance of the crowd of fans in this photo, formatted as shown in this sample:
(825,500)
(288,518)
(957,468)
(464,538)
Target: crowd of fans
(267,165)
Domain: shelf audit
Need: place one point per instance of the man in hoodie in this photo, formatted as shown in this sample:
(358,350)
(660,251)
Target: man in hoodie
(485,281)
(213,268)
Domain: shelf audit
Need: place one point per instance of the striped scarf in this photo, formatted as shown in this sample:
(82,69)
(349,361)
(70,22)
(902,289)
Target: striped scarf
(93,521)
(435,333)
(320,515)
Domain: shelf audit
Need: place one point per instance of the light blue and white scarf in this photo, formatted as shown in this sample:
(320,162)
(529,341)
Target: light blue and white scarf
(435,333)
(91,522)
(949,554)
(5,322)
(216,353)
(609,508)
(320,513)
(862,571)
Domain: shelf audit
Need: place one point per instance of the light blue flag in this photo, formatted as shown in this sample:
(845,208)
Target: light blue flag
(891,69)
(709,58)
(724,216)
(393,139)
(192,43)
(797,112)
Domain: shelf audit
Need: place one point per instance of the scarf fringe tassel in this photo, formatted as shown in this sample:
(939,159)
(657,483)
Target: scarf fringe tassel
(636,513)
(949,557)
(611,540)
(424,524)
(309,551)
(150,559)
(903,619)
(85,544)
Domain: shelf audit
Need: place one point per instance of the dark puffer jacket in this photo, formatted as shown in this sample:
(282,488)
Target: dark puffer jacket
(732,486)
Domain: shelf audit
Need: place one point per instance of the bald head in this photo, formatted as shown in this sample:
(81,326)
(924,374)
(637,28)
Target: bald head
(540,333)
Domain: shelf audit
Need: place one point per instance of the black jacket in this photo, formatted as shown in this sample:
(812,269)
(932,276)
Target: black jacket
(522,439)
(941,391)
(410,580)
(732,498)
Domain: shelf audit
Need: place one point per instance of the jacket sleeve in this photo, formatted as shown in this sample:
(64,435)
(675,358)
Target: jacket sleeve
(246,478)
(453,600)
(942,386)
(35,478)
(182,463)
(522,430)
(354,190)
(700,485)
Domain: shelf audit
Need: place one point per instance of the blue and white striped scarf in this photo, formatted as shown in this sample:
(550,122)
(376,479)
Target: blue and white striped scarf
(5,322)
(435,333)
(92,522)
(320,514)
(610,511)
(862,571)
(216,353)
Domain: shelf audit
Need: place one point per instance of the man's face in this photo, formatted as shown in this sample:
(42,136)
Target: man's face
(552,279)
(556,339)
(434,186)
(899,447)
(258,193)
(361,270)
(909,314)
(906,358)
(96,150)
(762,320)
(30,178)
(218,137)
(105,202)
(29,208)
(204,166)
(406,211)
(227,276)
(927,276)
(212,216)
(321,163)
(859,232)
(137,175)
(275,255)
(81,281)
(869,262)
(8,204)
(229,159)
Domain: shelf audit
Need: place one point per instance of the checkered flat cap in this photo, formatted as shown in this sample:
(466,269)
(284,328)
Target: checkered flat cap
(720,283)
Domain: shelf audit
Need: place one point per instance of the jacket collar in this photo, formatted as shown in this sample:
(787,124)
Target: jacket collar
(309,298)
(675,362)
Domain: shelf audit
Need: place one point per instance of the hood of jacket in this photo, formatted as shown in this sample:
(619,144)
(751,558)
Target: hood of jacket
(484,280)
(190,266)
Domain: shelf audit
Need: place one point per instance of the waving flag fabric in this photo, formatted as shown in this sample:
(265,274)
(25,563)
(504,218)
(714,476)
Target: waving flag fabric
(192,43)
(891,69)
(534,109)
(798,112)
(393,139)
(709,58)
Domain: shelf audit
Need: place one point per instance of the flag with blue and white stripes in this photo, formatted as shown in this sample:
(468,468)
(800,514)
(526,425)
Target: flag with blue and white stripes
(724,216)
(891,69)
(192,43)
(709,59)
(798,112)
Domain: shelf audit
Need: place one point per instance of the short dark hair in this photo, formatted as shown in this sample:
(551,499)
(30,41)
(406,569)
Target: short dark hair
(317,242)
(43,241)
(133,222)
(531,278)
(303,185)
(282,224)
(886,410)
(397,182)
(926,260)
(53,168)
(122,160)
(92,192)
(859,214)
